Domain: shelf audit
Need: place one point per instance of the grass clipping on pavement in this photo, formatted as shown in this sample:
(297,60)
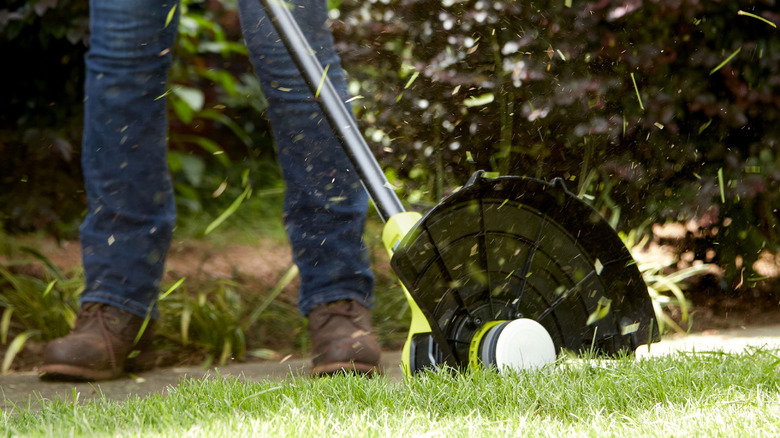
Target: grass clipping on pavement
(693,394)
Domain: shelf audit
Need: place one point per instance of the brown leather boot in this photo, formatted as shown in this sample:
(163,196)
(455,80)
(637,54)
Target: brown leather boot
(100,346)
(342,339)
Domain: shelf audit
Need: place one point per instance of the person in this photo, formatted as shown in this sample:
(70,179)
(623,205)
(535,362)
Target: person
(131,214)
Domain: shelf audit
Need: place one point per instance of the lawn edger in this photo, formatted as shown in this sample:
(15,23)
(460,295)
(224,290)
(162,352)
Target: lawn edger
(506,272)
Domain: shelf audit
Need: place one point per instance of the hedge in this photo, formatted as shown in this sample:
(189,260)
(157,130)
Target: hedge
(654,111)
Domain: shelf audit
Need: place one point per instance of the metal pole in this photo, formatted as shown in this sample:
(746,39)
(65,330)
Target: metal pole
(343,123)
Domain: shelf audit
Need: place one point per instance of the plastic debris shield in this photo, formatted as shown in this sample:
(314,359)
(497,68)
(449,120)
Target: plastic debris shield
(512,247)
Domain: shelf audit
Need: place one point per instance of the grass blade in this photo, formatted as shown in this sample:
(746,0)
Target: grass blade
(726,61)
(43,259)
(411,80)
(170,16)
(229,211)
(12,280)
(172,288)
(322,81)
(144,325)
(49,287)
(705,126)
(483,99)
(689,272)
(748,14)
(639,98)
(286,279)
(720,184)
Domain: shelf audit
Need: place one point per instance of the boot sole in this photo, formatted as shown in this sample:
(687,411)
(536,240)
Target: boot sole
(71,373)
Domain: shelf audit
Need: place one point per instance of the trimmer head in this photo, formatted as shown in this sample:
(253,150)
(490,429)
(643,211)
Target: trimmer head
(513,248)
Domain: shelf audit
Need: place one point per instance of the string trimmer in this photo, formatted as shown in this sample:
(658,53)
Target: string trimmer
(507,272)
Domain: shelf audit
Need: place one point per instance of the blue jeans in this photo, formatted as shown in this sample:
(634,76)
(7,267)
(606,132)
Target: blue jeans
(131,214)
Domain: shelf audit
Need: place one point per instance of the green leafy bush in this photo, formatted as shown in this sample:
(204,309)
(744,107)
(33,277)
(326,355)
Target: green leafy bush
(663,110)
(632,102)
(216,134)
(38,307)
(43,44)
(217,130)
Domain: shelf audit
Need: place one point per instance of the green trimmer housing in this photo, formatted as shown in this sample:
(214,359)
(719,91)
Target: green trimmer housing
(505,272)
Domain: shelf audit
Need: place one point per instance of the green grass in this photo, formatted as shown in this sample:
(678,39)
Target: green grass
(685,395)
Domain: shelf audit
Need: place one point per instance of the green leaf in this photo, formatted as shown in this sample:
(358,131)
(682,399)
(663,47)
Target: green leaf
(183,110)
(184,324)
(207,145)
(193,168)
(227,349)
(193,97)
(228,122)
(5,324)
(16,346)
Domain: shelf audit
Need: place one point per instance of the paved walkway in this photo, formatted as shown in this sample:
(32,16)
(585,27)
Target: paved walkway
(732,341)
(24,390)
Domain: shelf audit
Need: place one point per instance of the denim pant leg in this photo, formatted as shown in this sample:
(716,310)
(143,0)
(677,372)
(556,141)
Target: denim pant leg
(325,203)
(131,211)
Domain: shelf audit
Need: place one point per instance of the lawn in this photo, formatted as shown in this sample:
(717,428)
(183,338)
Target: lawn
(702,394)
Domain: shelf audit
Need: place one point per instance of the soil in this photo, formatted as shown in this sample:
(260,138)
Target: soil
(712,309)
(262,262)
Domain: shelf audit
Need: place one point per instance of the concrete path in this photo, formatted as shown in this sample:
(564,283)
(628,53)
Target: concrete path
(732,341)
(25,391)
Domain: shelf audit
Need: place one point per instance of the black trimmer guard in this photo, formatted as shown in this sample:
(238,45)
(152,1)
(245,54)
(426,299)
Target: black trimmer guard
(513,247)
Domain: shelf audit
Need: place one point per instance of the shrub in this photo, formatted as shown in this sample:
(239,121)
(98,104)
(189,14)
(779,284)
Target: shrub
(632,102)
(40,113)
(214,104)
(656,110)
